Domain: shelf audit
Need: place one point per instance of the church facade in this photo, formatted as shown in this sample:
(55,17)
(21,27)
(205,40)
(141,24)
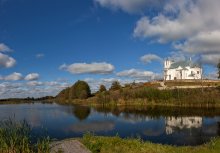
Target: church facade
(182,70)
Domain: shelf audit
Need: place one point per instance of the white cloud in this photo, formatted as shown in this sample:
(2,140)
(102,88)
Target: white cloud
(212,59)
(30,89)
(138,74)
(129,6)
(93,68)
(13,77)
(32,76)
(188,19)
(178,56)
(18,76)
(4,48)
(40,55)
(148,58)
(192,26)
(6,61)
(204,42)
(34,83)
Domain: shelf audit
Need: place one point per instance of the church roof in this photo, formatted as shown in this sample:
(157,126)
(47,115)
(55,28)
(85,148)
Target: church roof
(184,64)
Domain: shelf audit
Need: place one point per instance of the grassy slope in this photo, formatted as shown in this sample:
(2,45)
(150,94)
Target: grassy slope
(117,145)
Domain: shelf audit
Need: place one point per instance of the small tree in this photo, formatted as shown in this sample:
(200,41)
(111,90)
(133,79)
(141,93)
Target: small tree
(115,86)
(218,66)
(102,88)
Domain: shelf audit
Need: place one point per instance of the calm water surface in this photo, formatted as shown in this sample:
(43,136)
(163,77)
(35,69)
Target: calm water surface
(159,125)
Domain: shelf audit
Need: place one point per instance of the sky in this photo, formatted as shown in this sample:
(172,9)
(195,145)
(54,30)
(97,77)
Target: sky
(47,45)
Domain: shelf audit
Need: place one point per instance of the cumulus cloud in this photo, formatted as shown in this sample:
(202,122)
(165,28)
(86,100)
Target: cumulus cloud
(138,74)
(34,83)
(148,58)
(4,48)
(13,77)
(93,68)
(32,76)
(212,59)
(6,61)
(192,26)
(18,76)
(189,19)
(129,6)
(204,42)
(30,89)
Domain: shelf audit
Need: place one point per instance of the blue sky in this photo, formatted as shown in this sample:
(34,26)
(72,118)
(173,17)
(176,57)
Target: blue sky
(46,45)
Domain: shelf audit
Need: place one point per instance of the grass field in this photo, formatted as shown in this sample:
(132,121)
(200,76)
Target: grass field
(99,144)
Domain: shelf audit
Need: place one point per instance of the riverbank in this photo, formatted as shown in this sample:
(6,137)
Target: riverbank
(148,96)
(100,144)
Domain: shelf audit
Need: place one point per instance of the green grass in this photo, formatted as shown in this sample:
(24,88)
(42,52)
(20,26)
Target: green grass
(15,137)
(99,144)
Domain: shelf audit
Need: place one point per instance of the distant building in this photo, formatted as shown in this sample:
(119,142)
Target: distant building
(182,70)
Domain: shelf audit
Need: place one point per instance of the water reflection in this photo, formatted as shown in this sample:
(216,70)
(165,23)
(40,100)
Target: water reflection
(180,123)
(177,126)
(81,112)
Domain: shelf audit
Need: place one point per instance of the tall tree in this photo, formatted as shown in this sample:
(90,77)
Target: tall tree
(102,88)
(80,90)
(115,86)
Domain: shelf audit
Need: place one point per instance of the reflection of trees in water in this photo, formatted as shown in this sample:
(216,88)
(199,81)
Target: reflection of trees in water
(81,112)
(158,111)
(218,128)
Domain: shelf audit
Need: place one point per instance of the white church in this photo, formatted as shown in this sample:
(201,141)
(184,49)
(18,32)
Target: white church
(182,70)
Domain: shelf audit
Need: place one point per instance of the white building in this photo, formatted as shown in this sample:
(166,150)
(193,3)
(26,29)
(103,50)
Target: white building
(182,70)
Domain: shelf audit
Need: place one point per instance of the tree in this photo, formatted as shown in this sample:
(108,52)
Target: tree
(102,88)
(80,90)
(115,86)
(218,66)
(64,94)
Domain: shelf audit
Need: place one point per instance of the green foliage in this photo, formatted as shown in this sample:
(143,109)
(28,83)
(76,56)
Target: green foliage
(115,86)
(103,97)
(102,88)
(98,144)
(64,94)
(15,137)
(210,96)
(80,90)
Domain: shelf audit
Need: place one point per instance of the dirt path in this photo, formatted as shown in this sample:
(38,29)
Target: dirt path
(68,146)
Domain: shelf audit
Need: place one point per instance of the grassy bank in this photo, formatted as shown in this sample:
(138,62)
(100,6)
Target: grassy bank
(99,144)
(200,97)
(15,137)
